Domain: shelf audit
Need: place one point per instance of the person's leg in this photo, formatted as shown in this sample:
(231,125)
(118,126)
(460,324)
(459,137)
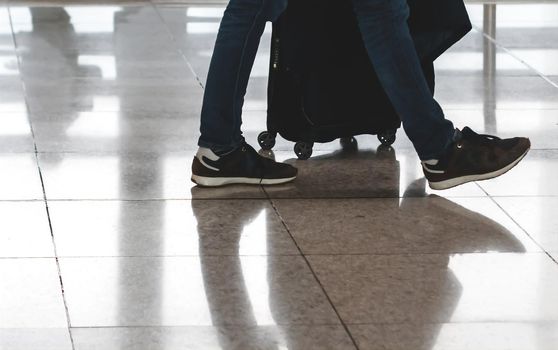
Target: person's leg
(449,158)
(391,49)
(233,57)
(224,157)
(235,50)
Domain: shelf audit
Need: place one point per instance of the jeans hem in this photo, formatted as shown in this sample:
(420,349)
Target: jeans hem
(215,147)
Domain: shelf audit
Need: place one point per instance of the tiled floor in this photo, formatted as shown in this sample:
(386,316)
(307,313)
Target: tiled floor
(105,244)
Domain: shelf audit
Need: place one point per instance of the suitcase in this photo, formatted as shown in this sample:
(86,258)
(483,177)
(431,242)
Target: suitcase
(322,85)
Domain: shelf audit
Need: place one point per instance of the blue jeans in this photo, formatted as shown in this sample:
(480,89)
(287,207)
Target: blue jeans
(391,49)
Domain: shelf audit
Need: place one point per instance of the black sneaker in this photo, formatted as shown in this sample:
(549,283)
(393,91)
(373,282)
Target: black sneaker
(475,157)
(242,166)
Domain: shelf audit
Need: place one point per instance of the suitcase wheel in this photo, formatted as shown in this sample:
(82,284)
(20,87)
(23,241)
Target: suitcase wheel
(303,150)
(348,143)
(385,152)
(387,137)
(266,140)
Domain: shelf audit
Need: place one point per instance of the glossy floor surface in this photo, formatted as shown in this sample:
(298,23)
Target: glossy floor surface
(105,244)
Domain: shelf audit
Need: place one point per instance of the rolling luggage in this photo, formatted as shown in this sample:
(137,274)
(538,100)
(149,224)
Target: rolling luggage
(322,85)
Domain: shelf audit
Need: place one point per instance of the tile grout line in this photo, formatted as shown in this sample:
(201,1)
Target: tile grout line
(513,220)
(173,39)
(318,254)
(36,154)
(509,52)
(481,188)
(345,327)
(182,199)
(303,324)
(523,229)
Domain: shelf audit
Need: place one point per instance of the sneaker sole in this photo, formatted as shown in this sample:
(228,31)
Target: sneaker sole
(446,184)
(223,181)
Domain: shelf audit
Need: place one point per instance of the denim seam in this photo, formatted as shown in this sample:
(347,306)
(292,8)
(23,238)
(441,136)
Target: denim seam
(241,65)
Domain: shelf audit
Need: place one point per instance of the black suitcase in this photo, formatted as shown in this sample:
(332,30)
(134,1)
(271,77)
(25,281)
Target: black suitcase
(322,85)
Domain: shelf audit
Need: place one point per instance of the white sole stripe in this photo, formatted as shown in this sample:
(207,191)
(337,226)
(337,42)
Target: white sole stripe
(222,181)
(207,165)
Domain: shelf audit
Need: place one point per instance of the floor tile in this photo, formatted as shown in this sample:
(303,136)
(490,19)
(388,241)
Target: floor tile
(203,338)
(529,31)
(20,177)
(457,336)
(526,24)
(436,288)
(518,15)
(21,237)
(527,13)
(15,133)
(29,11)
(3,12)
(35,338)
(107,68)
(128,176)
(194,29)
(536,215)
(500,92)
(91,29)
(363,174)
(116,131)
(8,59)
(12,98)
(227,192)
(527,34)
(208,290)
(140,96)
(168,228)
(534,176)
(544,60)
(69,42)
(30,294)
(340,174)
(413,225)
(5,30)
(113,176)
(469,57)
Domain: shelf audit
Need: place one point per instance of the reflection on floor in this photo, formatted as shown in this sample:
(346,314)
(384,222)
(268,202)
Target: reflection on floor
(105,244)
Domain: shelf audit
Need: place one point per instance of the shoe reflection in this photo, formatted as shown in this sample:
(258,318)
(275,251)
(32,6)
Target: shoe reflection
(427,306)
